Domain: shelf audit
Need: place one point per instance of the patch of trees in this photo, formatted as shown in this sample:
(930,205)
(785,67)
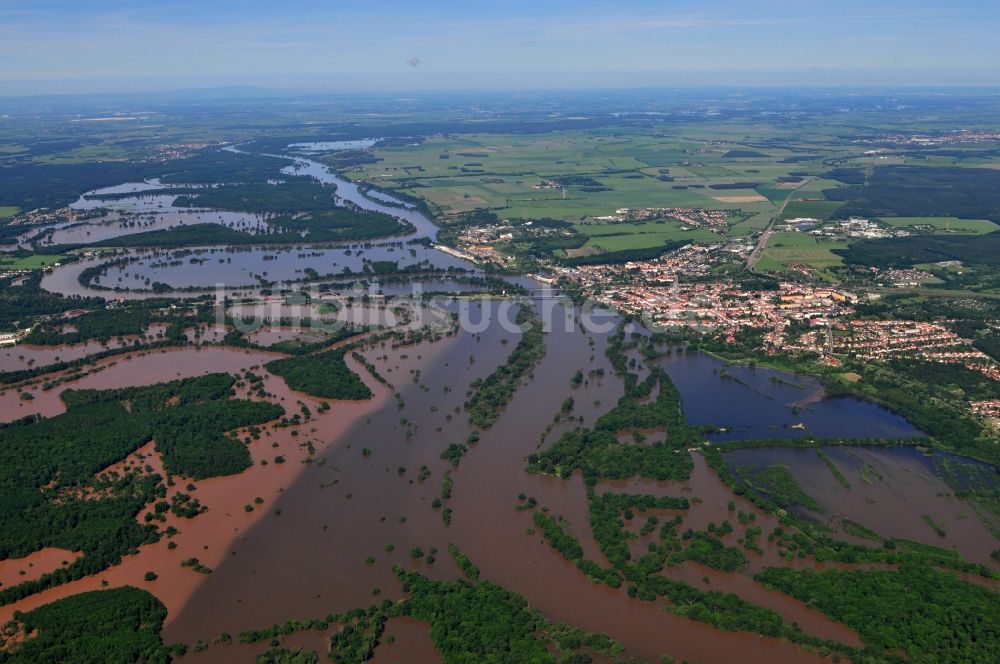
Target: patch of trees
(29,185)
(292,195)
(49,468)
(799,158)
(358,637)
(606,522)
(847,175)
(777,483)
(543,246)
(735,185)
(922,191)
(490,395)
(913,249)
(187,418)
(599,454)
(100,325)
(557,537)
(479,622)
(584,182)
(905,387)
(118,625)
(324,375)
(625,255)
(742,153)
(704,548)
(26,301)
(924,613)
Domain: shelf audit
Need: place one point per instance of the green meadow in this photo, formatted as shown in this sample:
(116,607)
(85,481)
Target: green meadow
(953,224)
(33,262)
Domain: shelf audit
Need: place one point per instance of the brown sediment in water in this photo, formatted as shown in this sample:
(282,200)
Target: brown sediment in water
(27,356)
(890,492)
(145,367)
(18,570)
(315,553)
(209,535)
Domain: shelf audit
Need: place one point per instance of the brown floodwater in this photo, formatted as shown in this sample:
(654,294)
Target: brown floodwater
(208,536)
(18,570)
(366,499)
(137,369)
(360,492)
(892,490)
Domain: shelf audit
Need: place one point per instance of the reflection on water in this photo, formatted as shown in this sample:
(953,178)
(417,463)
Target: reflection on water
(334,146)
(240,266)
(890,490)
(765,403)
(146,212)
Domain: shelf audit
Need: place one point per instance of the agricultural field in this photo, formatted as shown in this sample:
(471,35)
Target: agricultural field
(615,237)
(945,224)
(577,175)
(32,262)
(786,249)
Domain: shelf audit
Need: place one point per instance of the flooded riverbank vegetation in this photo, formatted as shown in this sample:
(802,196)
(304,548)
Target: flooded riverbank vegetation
(247,381)
(53,468)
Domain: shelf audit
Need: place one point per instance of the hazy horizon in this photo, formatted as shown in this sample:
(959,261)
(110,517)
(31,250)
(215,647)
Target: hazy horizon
(102,46)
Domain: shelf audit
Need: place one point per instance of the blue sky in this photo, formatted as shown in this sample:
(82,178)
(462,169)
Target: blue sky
(96,46)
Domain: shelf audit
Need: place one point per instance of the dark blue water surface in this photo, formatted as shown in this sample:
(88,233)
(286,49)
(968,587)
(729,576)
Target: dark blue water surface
(761,403)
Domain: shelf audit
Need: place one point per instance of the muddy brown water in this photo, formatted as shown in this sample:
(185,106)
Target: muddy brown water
(302,553)
(310,560)
(892,490)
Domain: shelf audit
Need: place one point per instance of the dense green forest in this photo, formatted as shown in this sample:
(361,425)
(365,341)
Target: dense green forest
(293,194)
(117,625)
(625,255)
(930,616)
(916,249)
(323,375)
(922,191)
(100,325)
(30,185)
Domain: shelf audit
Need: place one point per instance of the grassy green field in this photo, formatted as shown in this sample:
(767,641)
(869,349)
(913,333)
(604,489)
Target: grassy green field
(85,154)
(784,249)
(953,224)
(33,262)
(816,209)
(8,211)
(507,173)
(614,237)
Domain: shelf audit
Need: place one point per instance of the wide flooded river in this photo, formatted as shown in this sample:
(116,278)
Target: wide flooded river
(363,478)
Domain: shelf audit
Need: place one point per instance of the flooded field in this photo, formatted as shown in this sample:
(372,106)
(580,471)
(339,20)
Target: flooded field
(894,491)
(359,486)
(349,506)
(209,536)
(138,369)
(764,403)
(235,267)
